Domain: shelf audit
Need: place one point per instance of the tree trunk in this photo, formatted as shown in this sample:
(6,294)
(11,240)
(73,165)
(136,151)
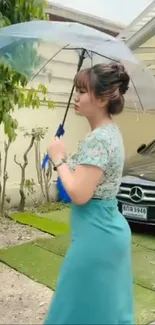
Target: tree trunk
(38,167)
(5,178)
(0,180)
(21,191)
(23,168)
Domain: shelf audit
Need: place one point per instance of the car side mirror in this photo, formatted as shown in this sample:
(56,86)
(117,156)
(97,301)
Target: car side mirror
(141,148)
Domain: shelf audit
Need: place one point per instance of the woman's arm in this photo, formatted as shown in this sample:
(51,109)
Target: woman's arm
(80,184)
(92,162)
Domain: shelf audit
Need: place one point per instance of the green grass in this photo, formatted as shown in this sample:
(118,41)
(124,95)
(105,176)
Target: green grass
(144,267)
(33,261)
(144,305)
(57,245)
(43,266)
(144,270)
(147,241)
(55,223)
(59,216)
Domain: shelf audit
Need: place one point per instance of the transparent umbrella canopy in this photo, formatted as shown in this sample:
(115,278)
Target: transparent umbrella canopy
(15,38)
(29,48)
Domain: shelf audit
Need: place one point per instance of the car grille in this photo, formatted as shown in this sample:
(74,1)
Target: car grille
(148,194)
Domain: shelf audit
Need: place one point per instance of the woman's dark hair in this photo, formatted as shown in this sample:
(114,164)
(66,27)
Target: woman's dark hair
(108,80)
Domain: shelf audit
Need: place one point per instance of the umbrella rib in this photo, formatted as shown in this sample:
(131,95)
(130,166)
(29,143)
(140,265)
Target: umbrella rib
(137,94)
(63,48)
(104,56)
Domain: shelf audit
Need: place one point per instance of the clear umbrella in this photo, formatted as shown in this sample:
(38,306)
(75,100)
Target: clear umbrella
(19,38)
(22,46)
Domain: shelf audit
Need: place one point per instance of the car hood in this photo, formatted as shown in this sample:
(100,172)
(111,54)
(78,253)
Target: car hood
(141,166)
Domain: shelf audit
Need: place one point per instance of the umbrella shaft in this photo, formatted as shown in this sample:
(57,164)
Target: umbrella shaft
(68,105)
(81,59)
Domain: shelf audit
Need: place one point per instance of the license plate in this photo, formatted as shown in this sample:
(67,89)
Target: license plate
(134,212)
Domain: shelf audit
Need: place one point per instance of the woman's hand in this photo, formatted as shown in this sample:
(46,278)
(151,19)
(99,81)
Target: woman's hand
(57,150)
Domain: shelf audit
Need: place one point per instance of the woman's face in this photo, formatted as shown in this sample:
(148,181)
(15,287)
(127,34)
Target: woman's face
(85,103)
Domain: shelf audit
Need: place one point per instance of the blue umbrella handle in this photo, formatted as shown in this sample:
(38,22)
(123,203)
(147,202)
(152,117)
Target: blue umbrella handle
(60,132)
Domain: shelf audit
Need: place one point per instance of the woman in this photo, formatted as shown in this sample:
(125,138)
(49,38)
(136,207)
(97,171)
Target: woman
(95,284)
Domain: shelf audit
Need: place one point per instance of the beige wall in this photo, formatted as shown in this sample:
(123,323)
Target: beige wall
(136,129)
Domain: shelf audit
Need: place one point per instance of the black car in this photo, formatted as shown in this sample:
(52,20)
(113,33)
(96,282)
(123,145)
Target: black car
(136,197)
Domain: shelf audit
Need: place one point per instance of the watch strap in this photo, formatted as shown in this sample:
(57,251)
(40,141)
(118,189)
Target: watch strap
(59,163)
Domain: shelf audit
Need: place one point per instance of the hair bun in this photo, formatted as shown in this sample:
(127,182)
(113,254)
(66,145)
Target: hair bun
(124,80)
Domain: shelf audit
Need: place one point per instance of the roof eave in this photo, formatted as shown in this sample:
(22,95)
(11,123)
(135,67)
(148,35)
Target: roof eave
(90,20)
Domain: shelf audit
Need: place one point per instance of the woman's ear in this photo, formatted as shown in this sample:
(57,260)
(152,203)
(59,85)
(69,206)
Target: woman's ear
(103,102)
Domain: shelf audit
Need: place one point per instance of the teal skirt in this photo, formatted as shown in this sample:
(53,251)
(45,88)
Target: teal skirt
(95,284)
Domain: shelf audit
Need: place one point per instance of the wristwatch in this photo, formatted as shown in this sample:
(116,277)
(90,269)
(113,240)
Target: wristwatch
(59,163)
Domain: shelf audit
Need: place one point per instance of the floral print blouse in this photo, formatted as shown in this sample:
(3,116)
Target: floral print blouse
(103,147)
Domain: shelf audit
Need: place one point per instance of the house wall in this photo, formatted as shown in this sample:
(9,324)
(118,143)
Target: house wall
(137,129)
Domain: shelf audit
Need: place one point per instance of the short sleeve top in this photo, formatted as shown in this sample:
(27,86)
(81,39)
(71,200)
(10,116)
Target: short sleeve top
(103,147)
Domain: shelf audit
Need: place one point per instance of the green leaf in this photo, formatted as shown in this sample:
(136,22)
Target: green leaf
(51,104)
(43,89)
(11,134)
(14,124)
(6,118)
(12,84)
